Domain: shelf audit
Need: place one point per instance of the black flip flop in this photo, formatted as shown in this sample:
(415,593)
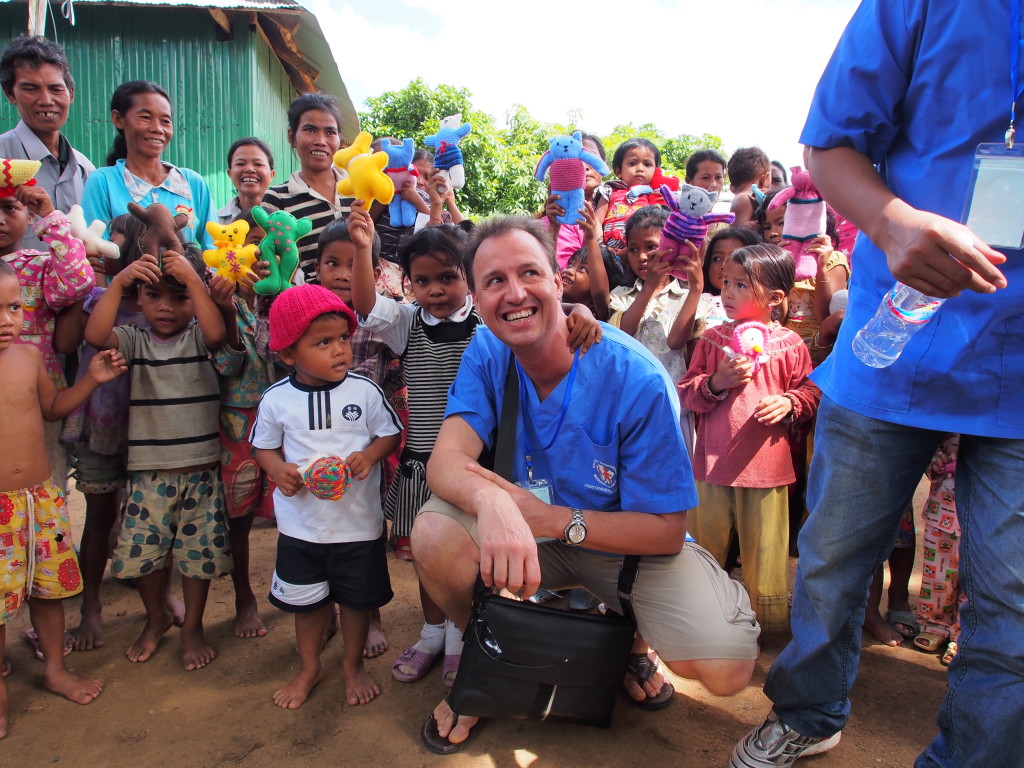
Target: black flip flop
(439,744)
(641,666)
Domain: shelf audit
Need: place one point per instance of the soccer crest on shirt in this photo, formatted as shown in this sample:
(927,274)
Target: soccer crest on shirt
(604,474)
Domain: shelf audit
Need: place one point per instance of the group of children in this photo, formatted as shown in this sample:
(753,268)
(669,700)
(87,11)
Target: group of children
(230,398)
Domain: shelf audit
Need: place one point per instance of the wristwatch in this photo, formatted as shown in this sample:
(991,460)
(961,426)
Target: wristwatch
(576,530)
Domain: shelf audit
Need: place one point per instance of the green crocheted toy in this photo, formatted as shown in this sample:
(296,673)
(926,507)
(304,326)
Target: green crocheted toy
(279,248)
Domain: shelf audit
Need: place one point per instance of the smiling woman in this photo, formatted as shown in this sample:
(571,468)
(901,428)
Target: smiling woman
(314,133)
(141,112)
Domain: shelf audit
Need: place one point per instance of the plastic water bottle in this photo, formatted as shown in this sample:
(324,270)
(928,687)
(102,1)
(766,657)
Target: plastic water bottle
(902,313)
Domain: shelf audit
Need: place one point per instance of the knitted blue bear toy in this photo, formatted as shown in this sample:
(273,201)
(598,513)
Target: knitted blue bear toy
(565,160)
(447,155)
(401,170)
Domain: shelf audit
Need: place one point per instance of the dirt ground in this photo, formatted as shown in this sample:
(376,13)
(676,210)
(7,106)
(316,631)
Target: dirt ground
(157,714)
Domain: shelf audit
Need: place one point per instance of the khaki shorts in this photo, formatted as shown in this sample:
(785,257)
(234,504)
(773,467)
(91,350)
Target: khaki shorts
(686,606)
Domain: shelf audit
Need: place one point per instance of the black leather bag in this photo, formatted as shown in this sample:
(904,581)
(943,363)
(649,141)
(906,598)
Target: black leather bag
(526,661)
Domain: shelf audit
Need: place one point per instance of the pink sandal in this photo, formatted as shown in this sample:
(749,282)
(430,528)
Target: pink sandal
(418,661)
(450,668)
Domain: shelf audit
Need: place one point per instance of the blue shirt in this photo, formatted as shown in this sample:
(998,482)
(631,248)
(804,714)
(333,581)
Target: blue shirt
(619,447)
(916,85)
(107,195)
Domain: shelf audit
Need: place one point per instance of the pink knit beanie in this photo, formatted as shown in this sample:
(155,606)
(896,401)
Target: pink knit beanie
(294,309)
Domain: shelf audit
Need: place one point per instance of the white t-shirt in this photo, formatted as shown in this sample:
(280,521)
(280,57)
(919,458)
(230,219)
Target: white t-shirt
(334,420)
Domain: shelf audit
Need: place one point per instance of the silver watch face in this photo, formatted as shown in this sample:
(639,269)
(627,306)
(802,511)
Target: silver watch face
(576,533)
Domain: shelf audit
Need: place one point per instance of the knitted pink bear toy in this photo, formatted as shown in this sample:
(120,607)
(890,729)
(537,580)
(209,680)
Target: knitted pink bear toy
(749,340)
(804,221)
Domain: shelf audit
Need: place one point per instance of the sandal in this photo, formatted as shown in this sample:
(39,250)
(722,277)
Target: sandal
(903,622)
(949,655)
(929,642)
(32,638)
(450,668)
(420,662)
(643,669)
(403,548)
(439,744)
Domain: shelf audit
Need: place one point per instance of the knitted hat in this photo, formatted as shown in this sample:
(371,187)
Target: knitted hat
(294,309)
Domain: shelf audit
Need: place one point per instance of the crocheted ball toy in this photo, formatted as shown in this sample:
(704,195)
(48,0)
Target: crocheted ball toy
(279,248)
(804,220)
(749,339)
(366,179)
(447,155)
(230,258)
(401,171)
(565,160)
(328,478)
(17,173)
(688,220)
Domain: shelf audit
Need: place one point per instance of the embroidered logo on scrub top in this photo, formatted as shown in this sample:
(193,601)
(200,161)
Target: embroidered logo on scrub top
(351,412)
(604,474)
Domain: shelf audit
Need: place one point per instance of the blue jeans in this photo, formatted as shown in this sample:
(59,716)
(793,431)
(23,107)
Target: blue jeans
(863,475)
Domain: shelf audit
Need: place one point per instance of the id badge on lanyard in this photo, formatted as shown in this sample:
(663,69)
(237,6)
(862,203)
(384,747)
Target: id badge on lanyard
(994,209)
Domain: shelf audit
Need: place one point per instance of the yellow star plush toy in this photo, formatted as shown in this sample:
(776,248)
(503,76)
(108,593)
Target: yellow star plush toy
(366,179)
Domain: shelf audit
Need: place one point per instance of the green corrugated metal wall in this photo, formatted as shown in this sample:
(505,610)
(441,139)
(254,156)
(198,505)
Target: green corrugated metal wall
(220,91)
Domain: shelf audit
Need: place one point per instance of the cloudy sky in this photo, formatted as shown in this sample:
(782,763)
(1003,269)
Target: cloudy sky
(744,70)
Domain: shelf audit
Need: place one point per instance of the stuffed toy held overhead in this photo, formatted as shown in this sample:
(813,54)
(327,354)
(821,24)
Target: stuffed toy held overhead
(279,248)
(804,220)
(565,160)
(401,171)
(92,235)
(366,179)
(17,173)
(447,154)
(230,257)
(689,219)
(749,339)
(161,233)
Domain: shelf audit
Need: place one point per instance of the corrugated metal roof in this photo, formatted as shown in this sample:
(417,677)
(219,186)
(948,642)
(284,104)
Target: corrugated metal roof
(249,5)
(308,38)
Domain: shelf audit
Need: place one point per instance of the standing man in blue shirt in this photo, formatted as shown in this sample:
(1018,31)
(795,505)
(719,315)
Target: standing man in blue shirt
(598,435)
(913,88)
(36,79)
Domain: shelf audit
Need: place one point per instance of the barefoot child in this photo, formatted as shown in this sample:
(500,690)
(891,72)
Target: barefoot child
(327,551)
(38,560)
(173,509)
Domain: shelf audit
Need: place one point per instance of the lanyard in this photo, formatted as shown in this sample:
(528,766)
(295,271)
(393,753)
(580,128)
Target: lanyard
(1015,89)
(561,417)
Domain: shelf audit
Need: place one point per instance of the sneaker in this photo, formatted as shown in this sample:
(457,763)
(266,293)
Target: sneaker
(774,744)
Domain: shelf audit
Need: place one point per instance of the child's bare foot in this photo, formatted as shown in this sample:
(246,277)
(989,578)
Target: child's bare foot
(176,608)
(248,622)
(359,688)
(196,653)
(297,691)
(376,642)
(881,629)
(145,646)
(3,704)
(81,690)
(89,633)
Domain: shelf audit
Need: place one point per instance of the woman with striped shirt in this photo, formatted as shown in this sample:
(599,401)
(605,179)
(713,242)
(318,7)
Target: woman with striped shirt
(314,132)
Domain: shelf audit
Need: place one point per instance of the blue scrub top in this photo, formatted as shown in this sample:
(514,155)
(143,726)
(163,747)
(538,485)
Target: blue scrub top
(620,446)
(916,85)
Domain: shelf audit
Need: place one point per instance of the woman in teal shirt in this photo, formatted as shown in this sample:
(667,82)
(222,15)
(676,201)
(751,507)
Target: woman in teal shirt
(135,170)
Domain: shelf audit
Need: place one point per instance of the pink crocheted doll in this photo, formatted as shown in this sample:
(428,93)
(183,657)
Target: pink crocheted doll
(804,220)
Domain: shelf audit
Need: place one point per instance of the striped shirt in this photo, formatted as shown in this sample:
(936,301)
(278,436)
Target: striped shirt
(173,413)
(297,198)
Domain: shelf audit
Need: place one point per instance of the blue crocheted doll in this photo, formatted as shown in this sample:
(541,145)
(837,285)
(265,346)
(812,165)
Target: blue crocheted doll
(447,155)
(565,159)
(401,170)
